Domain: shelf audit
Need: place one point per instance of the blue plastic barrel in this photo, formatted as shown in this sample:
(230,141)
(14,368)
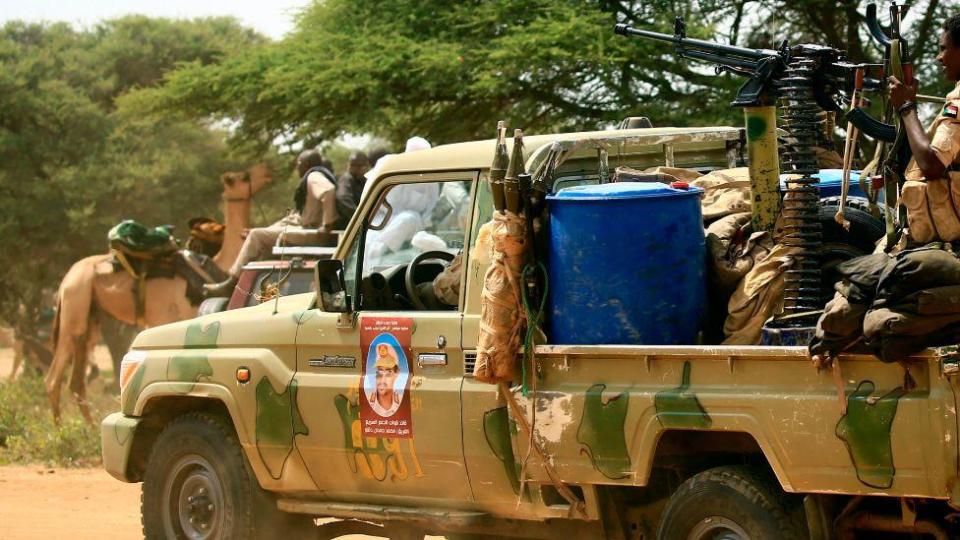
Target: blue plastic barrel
(831,181)
(627,265)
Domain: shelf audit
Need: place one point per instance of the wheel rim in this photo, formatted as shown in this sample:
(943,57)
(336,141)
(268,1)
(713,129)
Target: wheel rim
(717,528)
(193,498)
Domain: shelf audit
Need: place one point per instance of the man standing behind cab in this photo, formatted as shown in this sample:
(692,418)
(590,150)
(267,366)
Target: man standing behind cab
(350,188)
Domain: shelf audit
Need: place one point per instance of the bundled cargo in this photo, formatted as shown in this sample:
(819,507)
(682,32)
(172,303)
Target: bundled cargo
(501,316)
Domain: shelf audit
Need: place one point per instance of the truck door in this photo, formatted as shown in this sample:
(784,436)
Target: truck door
(488,432)
(379,387)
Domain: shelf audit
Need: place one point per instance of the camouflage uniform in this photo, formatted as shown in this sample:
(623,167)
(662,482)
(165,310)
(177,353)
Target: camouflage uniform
(932,213)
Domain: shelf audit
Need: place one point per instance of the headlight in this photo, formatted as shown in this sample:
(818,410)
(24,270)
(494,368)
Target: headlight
(128,366)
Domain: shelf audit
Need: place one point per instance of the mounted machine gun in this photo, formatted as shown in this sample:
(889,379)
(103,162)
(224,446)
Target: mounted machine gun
(806,79)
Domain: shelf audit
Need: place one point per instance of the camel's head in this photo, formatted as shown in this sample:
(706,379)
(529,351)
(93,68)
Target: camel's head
(245,184)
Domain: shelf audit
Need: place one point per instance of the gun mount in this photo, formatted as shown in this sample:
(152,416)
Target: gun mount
(805,79)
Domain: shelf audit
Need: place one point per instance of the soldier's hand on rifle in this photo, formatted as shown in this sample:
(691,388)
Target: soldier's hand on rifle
(901,93)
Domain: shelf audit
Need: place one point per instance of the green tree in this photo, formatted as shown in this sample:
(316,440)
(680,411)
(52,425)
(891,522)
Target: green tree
(839,24)
(446,70)
(71,165)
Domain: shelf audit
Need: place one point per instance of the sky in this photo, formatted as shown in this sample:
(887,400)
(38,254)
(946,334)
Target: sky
(273,18)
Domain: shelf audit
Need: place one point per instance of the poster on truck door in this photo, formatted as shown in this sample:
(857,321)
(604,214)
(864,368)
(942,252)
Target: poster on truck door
(385,405)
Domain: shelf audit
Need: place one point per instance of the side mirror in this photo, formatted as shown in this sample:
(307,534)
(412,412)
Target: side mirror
(331,288)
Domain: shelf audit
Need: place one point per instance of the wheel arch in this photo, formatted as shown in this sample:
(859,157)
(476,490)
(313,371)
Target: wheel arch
(689,452)
(675,456)
(160,404)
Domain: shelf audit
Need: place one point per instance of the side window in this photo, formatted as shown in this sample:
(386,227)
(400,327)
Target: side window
(350,269)
(411,220)
(415,218)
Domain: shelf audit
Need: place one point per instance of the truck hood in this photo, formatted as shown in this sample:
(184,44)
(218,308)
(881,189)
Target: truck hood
(171,336)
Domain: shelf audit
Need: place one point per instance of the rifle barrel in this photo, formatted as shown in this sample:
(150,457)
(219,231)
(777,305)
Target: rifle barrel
(755,54)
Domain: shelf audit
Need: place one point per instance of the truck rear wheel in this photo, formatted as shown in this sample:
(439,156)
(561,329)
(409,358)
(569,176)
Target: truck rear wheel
(198,485)
(730,503)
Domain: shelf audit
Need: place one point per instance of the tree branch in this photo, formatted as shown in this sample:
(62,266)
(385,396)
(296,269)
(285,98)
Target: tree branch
(922,34)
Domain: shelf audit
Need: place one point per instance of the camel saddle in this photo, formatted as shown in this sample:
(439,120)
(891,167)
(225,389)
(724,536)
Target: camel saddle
(154,253)
(138,241)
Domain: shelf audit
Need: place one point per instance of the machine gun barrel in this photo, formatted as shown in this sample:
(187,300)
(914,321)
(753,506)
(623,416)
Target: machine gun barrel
(703,45)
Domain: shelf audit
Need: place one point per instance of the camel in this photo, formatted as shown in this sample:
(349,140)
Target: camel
(27,352)
(91,287)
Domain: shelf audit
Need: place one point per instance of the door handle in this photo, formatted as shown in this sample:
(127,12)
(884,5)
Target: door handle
(431,359)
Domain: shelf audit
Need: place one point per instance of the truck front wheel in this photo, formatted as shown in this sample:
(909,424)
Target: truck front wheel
(198,485)
(730,503)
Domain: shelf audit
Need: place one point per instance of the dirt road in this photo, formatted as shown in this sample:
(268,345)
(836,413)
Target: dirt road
(38,503)
(79,504)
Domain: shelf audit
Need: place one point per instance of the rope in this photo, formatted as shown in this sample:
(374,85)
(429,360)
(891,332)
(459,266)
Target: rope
(140,287)
(577,507)
(849,151)
(529,356)
(533,321)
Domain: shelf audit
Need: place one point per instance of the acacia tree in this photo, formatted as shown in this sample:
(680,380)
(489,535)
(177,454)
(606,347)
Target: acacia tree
(446,69)
(71,165)
(840,24)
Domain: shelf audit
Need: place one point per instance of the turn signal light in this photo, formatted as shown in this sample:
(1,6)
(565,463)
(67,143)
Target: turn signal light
(243,375)
(128,366)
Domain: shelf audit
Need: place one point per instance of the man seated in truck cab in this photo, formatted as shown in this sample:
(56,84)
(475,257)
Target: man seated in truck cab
(417,229)
(410,210)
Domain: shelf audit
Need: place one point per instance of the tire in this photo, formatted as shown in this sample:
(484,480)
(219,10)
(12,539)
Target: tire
(865,228)
(831,256)
(198,485)
(728,503)
(840,245)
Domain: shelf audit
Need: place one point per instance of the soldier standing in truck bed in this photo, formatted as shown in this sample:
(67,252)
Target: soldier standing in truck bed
(934,151)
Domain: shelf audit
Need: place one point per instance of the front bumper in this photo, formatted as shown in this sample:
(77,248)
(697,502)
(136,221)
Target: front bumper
(117,432)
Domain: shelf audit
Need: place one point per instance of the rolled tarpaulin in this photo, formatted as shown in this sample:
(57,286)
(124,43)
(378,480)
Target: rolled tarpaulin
(501,315)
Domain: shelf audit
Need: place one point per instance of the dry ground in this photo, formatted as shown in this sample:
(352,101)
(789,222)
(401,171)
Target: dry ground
(41,503)
(79,504)
(37,503)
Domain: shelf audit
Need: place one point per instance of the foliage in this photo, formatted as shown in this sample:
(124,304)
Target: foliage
(446,69)
(27,431)
(71,165)
(839,24)
(88,136)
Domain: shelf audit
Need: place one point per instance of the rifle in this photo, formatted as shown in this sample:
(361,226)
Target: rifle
(763,68)
(804,78)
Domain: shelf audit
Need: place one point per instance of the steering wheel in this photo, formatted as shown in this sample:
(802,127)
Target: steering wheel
(412,268)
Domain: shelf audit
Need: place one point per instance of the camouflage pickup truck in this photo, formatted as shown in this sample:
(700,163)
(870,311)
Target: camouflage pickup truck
(355,412)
